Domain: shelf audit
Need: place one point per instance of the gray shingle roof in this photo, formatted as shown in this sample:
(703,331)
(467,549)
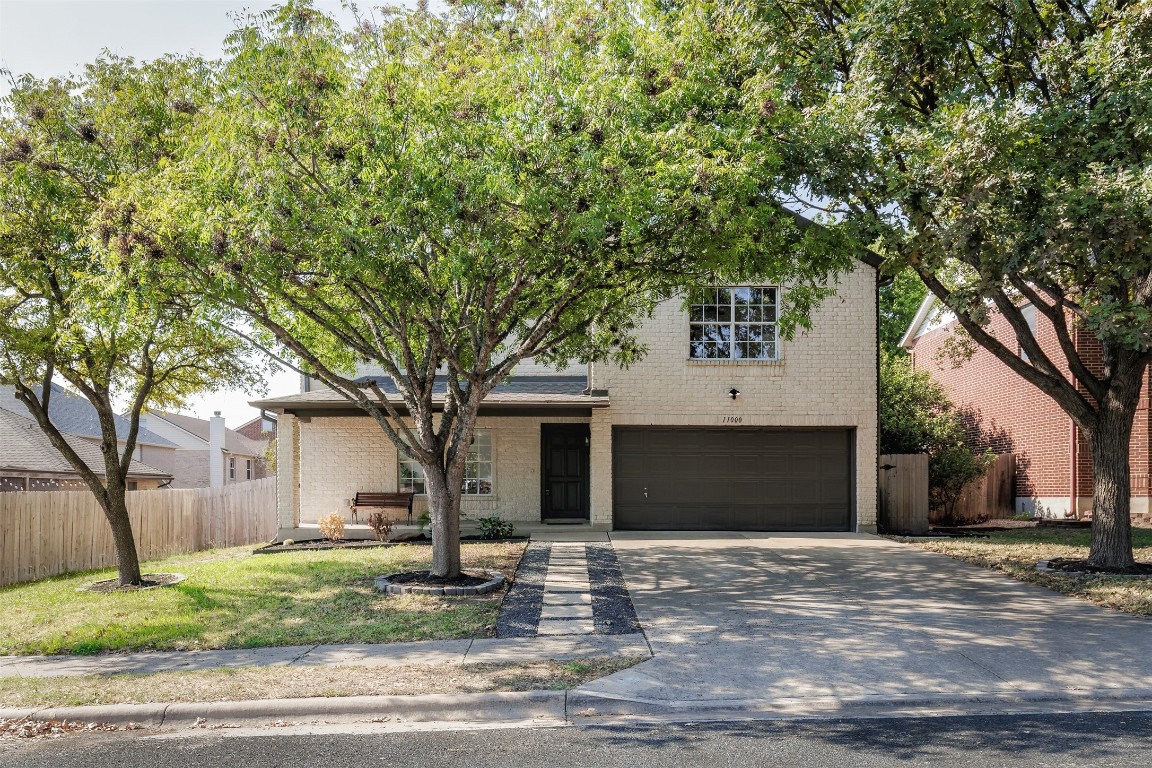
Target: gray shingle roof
(25,447)
(76,416)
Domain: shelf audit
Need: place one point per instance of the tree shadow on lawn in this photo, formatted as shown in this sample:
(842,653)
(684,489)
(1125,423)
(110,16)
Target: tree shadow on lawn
(253,601)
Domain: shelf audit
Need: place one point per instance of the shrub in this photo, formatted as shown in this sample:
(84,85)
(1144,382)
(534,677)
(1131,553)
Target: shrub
(332,526)
(495,527)
(949,470)
(381,525)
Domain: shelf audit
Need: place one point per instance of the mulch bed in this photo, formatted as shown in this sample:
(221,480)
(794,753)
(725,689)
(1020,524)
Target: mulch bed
(151,581)
(1070,565)
(424,539)
(426,579)
(612,610)
(520,611)
(315,545)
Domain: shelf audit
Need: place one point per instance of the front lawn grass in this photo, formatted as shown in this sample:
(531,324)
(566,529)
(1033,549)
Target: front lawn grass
(295,682)
(234,599)
(1017,551)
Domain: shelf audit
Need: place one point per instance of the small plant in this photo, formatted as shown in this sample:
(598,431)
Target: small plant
(495,527)
(425,521)
(381,525)
(288,542)
(332,526)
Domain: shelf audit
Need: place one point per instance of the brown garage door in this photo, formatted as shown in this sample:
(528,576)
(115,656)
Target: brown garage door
(731,479)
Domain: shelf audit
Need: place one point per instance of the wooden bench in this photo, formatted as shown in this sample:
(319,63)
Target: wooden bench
(374,500)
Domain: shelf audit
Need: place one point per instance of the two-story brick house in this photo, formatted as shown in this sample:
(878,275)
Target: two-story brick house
(1008,414)
(723,425)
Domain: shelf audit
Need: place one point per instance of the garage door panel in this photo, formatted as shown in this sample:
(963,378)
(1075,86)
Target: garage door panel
(739,479)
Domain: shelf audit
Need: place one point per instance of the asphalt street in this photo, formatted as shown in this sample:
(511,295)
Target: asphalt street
(1051,741)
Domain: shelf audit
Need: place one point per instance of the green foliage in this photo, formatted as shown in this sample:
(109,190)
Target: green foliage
(87,296)
(442,197)
(950,469)
(495,527)
(1000,150)
(916,416)
(899,301)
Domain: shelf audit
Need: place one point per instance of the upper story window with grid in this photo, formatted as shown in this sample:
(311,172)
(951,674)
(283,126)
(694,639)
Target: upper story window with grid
(734,324)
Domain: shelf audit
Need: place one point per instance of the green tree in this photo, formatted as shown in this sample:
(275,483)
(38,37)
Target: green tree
(1001,151)
(916,416)
(85,299)
(444,197)
(899,301)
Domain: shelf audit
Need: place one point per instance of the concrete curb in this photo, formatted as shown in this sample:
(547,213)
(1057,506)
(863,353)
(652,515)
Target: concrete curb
(470,708)
(591,708)
(577,708)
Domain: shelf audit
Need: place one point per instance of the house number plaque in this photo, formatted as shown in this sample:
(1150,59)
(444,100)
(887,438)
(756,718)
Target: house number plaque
(732,419)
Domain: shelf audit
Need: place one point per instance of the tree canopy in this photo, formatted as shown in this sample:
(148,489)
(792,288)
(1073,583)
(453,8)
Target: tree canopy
(1001,151)
(87,297)
(438,198)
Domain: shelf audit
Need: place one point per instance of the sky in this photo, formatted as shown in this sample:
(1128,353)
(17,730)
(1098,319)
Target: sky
(56,37)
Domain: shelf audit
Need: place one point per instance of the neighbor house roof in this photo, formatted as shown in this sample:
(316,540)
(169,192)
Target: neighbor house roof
(74,415)
(514,393)
(24,447)
(929,317)
(234,442)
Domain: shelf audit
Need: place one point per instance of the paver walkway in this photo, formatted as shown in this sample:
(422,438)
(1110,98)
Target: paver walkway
(567,604)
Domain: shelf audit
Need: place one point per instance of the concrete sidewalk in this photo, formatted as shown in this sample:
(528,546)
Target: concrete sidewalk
(434,652)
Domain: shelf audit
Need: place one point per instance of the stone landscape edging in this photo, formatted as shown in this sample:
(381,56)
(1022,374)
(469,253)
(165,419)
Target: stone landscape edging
(494,582)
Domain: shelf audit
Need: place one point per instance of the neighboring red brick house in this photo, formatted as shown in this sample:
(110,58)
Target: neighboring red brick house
(1009,415)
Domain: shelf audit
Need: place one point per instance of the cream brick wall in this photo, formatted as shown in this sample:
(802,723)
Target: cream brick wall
(826,378)
(346,454)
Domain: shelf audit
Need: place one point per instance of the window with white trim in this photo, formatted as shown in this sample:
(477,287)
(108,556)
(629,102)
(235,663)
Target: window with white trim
(477,470)
(231,467)
(737,323)
(248,469)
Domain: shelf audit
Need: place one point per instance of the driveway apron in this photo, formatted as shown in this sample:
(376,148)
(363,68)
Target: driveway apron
(778,616)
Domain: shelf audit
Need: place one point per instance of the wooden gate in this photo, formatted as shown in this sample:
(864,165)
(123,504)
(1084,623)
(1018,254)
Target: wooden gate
(904,493)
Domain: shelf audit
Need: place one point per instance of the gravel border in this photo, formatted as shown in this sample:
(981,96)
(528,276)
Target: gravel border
(612,609)
(520,611)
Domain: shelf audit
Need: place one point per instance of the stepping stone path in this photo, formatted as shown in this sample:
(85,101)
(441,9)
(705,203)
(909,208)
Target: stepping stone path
(567,604)
(567,589)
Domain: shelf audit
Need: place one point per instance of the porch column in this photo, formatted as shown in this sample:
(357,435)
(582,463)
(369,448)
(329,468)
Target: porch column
(288,475)
(600,469)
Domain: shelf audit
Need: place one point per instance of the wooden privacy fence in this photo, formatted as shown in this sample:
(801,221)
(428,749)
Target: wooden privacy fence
(903,483)
(49,533)
(991,497)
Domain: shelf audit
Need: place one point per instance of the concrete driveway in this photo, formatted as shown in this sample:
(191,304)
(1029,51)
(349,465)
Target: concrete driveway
(857,619)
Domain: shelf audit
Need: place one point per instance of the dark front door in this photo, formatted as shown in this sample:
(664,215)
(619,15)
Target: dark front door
(564,471)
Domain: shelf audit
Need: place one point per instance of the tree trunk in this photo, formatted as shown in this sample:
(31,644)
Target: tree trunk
(444,509)
(116,510)
(1111,486)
